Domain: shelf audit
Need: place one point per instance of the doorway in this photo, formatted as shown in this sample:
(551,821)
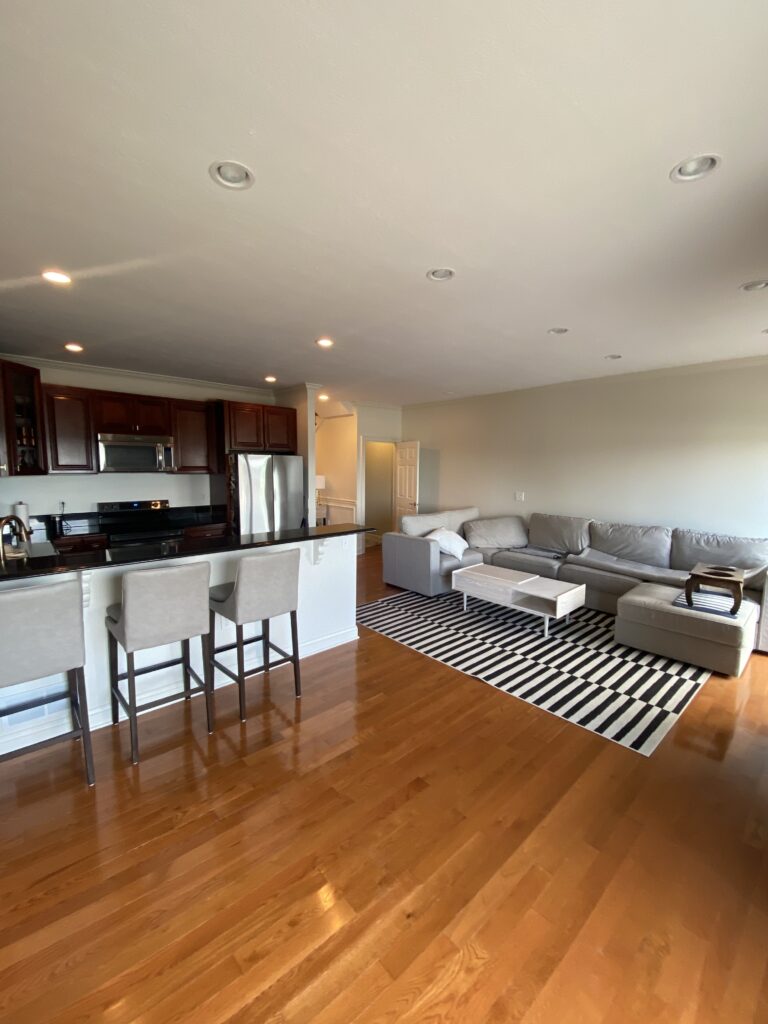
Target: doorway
(379,489)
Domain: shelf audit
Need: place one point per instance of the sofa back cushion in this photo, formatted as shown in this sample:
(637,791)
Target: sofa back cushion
(503,532)
(691,546)
(420,526)
(650,545)
(566,534)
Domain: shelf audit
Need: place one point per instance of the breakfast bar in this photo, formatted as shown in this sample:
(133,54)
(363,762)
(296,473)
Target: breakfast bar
(326,611)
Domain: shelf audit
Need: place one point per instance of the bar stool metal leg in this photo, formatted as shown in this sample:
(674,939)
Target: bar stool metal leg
(212,644)
(295,653)
(185,669)
(80,718)
(113,678)
(265,643)
(132,716)
(241,670)
(208,681)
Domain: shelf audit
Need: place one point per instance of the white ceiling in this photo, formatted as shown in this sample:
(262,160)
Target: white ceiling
(525,144)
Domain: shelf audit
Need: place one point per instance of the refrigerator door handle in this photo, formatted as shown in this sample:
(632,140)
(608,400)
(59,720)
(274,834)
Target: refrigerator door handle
(271,494)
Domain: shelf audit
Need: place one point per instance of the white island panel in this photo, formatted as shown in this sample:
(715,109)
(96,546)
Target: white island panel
(326,617)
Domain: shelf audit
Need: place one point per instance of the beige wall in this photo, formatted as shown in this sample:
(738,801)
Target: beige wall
(379,466)
(685,447)
(336,455)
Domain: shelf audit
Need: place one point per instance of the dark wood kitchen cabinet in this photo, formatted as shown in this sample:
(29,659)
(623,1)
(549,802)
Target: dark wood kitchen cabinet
(23,453)
(244,427)
(191,433)
(3,445)
(115,413)
(279,429)
(153,416)
(78,543)
(69,428)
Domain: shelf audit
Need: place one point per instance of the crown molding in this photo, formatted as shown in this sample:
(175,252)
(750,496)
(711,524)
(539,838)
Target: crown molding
(61,364)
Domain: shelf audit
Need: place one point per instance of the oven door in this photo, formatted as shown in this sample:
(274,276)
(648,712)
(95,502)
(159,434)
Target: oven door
(124,453)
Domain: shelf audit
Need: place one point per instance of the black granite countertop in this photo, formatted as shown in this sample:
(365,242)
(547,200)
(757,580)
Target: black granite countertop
(43,559)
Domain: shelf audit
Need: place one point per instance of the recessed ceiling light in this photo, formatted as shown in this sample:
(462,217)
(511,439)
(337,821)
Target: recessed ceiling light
(557,330)
(323,397)
(231,174)
(694,167)
(57,277)
(613,355)
(270,379)
(753,286)
(441,274)
(325,342)
(73,346)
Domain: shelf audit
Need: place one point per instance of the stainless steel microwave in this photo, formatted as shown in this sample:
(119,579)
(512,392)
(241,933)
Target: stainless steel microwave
(132,453)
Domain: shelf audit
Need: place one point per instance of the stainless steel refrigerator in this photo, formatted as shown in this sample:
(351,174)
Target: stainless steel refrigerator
(270,493)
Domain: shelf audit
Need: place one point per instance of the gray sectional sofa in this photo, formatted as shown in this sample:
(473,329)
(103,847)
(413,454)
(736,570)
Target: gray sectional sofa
(612,560)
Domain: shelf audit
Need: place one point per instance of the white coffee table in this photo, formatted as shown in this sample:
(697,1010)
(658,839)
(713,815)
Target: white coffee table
(537,595)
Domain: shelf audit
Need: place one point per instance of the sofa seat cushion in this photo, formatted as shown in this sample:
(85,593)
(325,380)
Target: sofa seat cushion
(488,554)
(502,532)
(648,573)
(691,546)
(421,525)
(523,560)
(608,582)
(558,533)
(448,562)
(650,545)
(653,605)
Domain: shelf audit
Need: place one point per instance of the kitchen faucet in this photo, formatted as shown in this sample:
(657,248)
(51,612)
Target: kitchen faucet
(20,532)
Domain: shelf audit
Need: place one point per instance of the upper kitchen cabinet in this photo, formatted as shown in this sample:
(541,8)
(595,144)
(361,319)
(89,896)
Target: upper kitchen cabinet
(244,425)
(279,429)
(115,413)
(69,427)
(23,453)
(191,432)
(153,416)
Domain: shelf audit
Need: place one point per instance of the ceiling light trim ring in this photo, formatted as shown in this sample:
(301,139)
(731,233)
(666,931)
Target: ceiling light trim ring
(694,168)
(441,274)
(231,174)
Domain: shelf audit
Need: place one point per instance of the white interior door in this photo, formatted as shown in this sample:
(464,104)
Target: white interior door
(406,479)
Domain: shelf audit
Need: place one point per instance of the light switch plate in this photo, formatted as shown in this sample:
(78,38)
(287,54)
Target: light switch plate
(519,495)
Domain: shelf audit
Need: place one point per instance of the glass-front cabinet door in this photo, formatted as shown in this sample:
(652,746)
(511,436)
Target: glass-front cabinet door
(23,420)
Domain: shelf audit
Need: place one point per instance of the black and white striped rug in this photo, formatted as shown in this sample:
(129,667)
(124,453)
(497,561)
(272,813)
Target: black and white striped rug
(579,673)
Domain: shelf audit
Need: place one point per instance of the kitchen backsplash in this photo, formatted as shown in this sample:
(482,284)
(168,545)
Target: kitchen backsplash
(82,492)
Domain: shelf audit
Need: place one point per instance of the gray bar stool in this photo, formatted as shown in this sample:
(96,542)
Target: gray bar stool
(265,586)
(160,606)
(43,636)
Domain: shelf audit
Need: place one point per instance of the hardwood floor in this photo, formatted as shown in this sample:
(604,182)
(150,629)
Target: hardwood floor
(403,845)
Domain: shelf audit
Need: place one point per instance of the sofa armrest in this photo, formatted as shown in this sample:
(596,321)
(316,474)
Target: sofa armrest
(761,641)
(412,563)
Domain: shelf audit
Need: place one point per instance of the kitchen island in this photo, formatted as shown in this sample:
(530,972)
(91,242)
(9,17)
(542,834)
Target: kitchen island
(326,613)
